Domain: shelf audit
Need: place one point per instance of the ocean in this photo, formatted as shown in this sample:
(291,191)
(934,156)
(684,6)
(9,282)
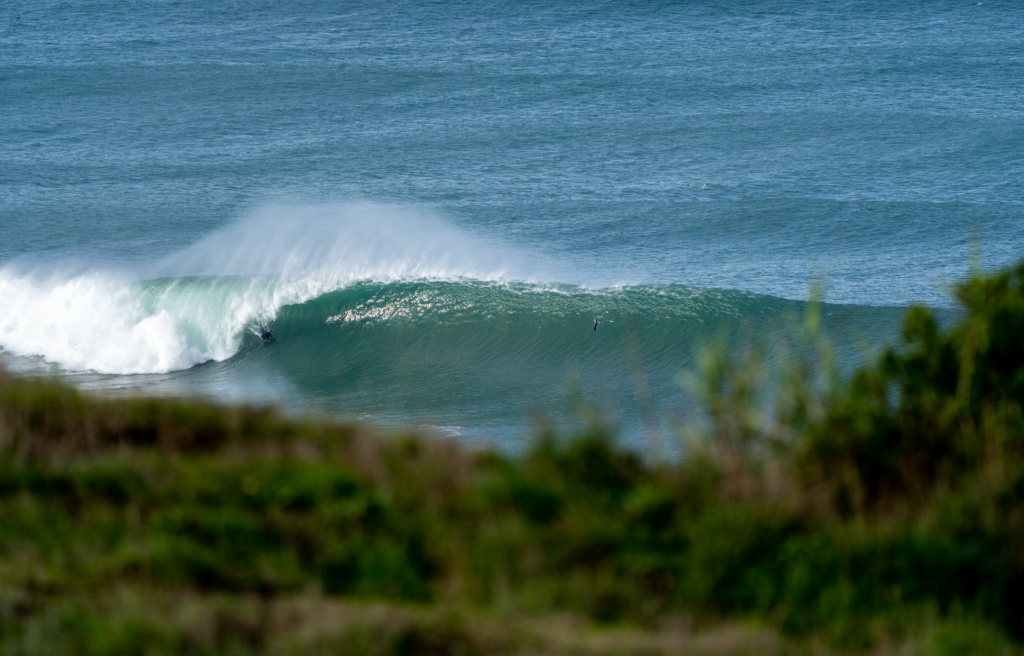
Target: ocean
(431,203)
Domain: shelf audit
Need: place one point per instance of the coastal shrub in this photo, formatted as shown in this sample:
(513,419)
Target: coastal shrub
(378,569)
(943,411)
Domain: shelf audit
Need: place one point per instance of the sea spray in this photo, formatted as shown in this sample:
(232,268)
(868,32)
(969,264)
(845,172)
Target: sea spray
(313,249)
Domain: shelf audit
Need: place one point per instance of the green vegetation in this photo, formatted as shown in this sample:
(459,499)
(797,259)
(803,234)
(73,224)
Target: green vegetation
(883,513)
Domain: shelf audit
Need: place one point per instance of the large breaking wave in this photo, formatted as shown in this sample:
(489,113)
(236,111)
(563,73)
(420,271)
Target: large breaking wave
(383,313)
(197,304)
(378,309)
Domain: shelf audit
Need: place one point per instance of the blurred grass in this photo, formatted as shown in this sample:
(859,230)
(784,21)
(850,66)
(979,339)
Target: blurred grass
(810,515)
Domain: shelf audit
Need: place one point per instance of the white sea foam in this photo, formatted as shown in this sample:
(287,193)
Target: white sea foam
(90,321)
(196,304)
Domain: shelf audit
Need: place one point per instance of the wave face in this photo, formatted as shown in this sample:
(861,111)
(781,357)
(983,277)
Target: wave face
(428,345)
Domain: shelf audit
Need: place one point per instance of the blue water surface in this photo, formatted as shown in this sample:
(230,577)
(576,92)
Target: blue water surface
(754,146)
